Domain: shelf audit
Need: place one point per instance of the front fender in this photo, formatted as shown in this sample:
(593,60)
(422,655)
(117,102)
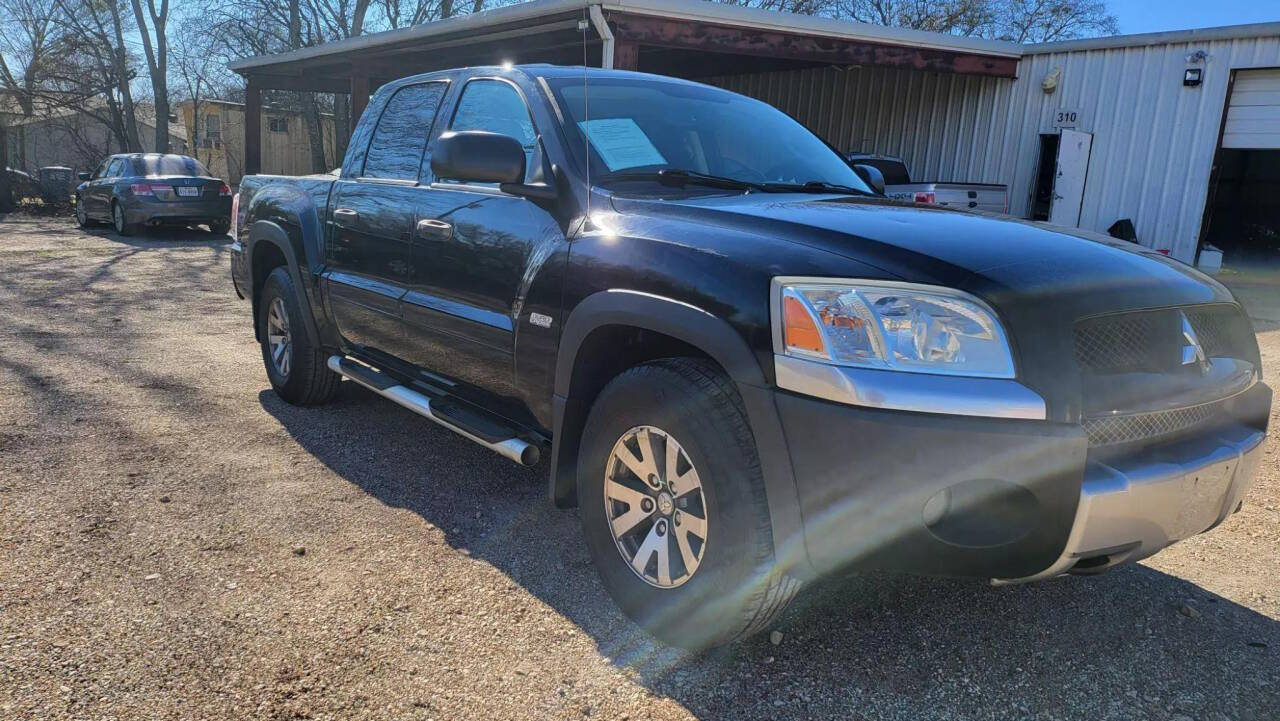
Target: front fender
(718,340)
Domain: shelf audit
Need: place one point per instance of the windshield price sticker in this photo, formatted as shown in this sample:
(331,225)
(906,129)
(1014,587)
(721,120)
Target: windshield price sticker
(621,143)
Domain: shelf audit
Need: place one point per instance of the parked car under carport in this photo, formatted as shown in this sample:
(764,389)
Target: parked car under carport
(137,189)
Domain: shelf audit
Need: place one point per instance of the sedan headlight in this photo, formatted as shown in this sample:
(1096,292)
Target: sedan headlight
(889,326)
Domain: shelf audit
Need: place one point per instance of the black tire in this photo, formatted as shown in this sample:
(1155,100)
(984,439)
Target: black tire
(736,590)
(82,215)
(118,222)
(222,226)
(308,381)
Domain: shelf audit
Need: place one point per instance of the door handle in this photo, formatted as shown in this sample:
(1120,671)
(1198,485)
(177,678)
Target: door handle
(432,229)
(344,215)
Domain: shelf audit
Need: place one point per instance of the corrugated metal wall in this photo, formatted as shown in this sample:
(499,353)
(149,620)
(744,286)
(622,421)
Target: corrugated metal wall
(931,120)
(1153,145)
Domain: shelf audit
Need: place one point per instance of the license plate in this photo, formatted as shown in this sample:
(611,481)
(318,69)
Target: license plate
(188,191)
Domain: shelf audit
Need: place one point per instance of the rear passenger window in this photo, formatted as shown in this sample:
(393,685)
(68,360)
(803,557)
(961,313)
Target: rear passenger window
(396,148)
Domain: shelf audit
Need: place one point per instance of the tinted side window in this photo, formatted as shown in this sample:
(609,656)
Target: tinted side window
(496,107)
(396,148)
(115,169)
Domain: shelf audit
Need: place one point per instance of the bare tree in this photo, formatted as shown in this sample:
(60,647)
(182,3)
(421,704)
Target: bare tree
(1038,21)
(157,53)
(29,35)
(1022,21)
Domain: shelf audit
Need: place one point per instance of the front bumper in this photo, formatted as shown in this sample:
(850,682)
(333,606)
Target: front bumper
(1008,499)
(1131,508)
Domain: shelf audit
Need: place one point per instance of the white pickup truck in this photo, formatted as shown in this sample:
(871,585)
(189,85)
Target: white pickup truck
(897,185)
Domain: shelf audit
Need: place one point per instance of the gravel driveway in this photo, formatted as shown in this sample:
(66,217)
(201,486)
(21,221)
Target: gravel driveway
(176,543)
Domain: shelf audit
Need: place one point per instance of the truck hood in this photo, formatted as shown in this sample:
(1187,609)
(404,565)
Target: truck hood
(1040,279)
(1002,259)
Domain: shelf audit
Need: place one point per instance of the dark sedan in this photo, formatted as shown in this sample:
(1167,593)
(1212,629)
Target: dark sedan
(136,189)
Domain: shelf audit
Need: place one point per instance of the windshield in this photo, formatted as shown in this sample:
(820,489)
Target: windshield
(167,165)
(636,125)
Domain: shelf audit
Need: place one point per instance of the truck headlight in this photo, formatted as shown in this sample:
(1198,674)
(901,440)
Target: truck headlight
(889,326)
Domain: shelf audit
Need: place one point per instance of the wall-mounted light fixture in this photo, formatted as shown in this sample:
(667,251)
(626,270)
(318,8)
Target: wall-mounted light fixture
(1191,77)
(1050,82)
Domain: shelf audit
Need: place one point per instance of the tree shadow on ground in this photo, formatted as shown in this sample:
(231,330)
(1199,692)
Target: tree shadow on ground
(1134,644)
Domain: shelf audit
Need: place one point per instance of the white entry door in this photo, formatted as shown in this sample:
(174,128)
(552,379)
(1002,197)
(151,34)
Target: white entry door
(1068,180)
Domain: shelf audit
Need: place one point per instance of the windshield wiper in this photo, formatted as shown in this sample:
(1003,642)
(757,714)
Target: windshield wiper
(678,178)
(816,186)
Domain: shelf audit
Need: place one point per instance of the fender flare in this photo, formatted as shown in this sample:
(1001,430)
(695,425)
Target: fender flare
(675,318)
(265,231)
(715,337)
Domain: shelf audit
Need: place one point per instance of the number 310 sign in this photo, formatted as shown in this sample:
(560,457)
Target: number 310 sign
(1066,118)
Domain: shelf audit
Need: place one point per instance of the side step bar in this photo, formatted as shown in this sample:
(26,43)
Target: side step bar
(517,450)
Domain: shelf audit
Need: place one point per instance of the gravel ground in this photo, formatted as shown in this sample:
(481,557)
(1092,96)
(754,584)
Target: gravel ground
(177,543)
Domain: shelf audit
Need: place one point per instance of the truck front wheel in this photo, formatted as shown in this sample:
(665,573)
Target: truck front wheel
(673,505)
(296,369)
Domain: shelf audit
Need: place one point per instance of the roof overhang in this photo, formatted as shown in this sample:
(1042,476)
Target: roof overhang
(688,38)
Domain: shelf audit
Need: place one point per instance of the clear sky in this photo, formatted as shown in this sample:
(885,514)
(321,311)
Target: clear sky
(1149,16)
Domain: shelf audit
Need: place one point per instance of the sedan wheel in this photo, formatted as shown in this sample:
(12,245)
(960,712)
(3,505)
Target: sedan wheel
(82,217)
(117,219)
(279,340)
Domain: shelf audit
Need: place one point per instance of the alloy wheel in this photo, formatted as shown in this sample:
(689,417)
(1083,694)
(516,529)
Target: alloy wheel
(279,340)
(81,216)
(117,216)
(654,501)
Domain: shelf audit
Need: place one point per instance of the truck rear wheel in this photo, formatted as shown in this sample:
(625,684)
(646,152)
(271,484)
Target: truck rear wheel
(673,506)
(296,369)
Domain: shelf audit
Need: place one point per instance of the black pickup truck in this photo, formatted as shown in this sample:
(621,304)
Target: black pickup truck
(749,368)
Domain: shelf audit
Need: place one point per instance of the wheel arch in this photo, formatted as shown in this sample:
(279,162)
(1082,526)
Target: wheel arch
(680,328)
(269,248)
(582,369)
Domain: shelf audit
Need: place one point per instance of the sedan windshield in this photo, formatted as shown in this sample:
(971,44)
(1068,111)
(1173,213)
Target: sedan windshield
(636,127)
(152,165)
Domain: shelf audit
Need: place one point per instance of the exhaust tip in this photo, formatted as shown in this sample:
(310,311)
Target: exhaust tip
(530,455)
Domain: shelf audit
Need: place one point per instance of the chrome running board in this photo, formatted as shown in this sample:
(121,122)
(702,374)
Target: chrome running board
(384,385)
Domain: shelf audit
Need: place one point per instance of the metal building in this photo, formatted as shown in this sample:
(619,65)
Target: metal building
(1089,133)
(1177,132)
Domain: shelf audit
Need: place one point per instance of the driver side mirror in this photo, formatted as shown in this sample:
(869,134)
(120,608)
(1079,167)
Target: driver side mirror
(82,176)
(870,175)
(481,157)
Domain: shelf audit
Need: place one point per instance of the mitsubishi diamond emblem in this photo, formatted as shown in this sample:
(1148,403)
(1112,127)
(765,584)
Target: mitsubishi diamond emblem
(1192,351)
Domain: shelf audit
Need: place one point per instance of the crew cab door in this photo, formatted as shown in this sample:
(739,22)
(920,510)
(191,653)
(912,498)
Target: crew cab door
(473,247)
(371,222)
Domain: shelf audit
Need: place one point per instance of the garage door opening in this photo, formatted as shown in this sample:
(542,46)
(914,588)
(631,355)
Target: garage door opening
(1245,217)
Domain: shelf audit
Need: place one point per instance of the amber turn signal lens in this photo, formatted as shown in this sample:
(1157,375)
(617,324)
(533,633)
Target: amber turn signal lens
(798,328)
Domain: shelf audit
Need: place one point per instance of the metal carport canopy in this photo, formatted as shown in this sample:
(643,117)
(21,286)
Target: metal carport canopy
(684,38)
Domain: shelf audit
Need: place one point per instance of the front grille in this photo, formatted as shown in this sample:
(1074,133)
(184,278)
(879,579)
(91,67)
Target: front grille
(1151,341)
(1114,430)
(1149,345)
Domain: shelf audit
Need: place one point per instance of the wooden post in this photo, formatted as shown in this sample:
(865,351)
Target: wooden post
(252,128)
(626,56)
(359,93)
